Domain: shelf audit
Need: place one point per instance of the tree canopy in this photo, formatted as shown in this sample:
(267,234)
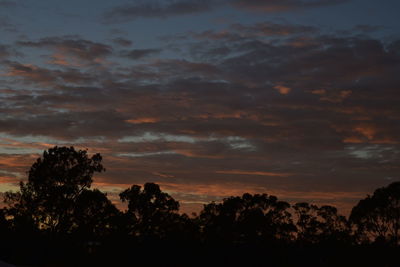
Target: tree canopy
(151,212)
(377,217)
(56,210)
(250,217)
(55,184)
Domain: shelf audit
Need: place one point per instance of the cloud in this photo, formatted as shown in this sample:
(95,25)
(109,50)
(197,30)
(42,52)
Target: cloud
(294,112)
(122,41)
(283,5)
(365,28)
(260,173)
(32,74)
(158,9)
(169,8)
(79,51)
(283,89)
(140,53)
(4,51)
(142,120)
(273,29)
(276,91)
(5,3)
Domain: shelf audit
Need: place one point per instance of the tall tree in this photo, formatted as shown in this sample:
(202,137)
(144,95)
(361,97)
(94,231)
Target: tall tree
(377,217)
(246,219)
(95,216)
(320,224)
(55,182)
(151,212)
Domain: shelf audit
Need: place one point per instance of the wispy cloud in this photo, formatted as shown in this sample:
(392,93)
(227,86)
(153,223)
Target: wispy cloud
(158,9)
(78,51)
(283,5)
(170,8)
(140,53)
(259,173)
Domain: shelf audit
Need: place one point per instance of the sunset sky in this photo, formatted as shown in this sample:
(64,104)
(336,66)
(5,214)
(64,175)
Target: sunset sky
(208,98)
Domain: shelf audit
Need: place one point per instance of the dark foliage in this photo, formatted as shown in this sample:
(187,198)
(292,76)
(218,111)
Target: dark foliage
(377,217)
(316,225)
(247,219)
(55,219)
(55,184)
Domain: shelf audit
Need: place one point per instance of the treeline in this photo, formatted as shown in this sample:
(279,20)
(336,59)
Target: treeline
(55,219)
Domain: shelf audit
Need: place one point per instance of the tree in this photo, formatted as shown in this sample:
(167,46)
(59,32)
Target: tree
(377,217)
(320,224)
(4,224)
(55,183)
(247,219)
(151,212)
(94,215)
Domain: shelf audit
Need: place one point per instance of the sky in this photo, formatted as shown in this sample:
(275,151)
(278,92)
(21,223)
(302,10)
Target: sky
(208,98)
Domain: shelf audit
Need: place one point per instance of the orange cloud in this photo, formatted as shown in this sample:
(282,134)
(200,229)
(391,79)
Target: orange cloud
(32,74)
(60,59)
(11,143)
(205,193)
(318,92)
(260,173)
(303,41)
(353,140)
(143,120)
(16,161)
(336,97)
(368,131)
(5,179)
(284,90)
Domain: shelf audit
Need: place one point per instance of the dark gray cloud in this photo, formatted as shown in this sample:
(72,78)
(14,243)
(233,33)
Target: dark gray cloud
(80,49)
(32,74)
(140,53)
(4,51)
(364,28)
(283,5)
(158,9)
(6,3)
(165,9)
(273,29)
(122,41)
(239,34)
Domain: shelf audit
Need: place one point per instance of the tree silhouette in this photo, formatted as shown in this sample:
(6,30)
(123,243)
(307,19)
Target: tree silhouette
(320,224)
(94,214)
(56,218)
(4,223)
(55,182)
(377,217)
(151,212)
(249,218)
